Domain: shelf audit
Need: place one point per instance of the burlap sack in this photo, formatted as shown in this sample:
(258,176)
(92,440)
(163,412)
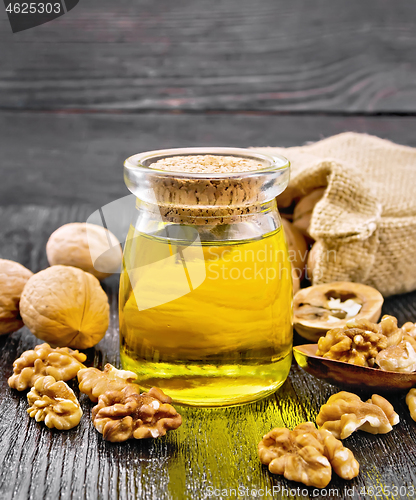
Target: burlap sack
(365,224)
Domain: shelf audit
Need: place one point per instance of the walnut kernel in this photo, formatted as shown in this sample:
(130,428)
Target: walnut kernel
(125,414)
(61,363)
(306,454)
(411,403)
(94,382)
(54,403)
(357,343)
(399,358)
(409,329)
(345,413)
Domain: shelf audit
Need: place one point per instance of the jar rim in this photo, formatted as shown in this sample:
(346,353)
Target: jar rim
(138,162)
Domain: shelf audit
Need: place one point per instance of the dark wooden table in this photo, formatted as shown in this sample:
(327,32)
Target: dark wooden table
(110,79)
(214,448)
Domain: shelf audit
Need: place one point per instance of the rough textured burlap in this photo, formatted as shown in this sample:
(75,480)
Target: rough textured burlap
(365,224)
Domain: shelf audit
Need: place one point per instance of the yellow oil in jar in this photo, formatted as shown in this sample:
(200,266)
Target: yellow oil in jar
(208,323)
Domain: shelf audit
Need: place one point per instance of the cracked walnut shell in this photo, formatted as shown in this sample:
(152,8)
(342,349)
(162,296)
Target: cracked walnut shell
(61,363)
(411,403)
(345,413)
(357,343)
(94,382)
(319,308)
(125,414)
(13,278)
(54,403)
(307,455)
(65,306)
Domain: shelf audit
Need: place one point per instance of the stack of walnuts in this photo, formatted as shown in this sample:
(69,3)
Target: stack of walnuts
(122,411)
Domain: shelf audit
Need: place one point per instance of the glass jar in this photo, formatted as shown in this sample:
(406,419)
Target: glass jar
(206,288)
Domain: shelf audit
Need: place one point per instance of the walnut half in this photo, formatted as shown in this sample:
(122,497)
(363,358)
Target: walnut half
(61,363)
(345,413)
(125,414)
(411,403)
(357,343)
(307,455)
(94,382)
(399,358)
(55,403)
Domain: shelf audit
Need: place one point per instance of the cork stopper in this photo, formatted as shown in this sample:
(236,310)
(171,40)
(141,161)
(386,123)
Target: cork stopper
(207,164)
(206,186)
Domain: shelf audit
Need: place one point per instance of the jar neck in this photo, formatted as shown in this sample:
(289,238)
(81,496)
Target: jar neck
(207,216)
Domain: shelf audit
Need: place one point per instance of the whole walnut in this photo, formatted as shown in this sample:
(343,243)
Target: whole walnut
(298,249)
(65,306)
(13,278)
(302,213)
(87,246)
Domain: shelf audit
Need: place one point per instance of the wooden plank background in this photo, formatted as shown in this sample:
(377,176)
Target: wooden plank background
(298,55)
(55,158)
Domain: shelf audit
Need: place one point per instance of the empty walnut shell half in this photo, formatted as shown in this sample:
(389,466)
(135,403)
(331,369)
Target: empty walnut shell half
(319,308)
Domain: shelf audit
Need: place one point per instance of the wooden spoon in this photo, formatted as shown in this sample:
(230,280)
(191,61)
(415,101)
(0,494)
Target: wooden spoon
(351,376)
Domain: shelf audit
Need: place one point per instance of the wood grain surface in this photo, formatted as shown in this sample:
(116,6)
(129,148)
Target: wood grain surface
(215,448)
(62,158)
(302,55)
(110,79)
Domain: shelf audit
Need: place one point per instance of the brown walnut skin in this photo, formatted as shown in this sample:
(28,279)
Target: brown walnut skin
(65,306)
(122,415)
(310,318)
(73,244)
(13,278)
